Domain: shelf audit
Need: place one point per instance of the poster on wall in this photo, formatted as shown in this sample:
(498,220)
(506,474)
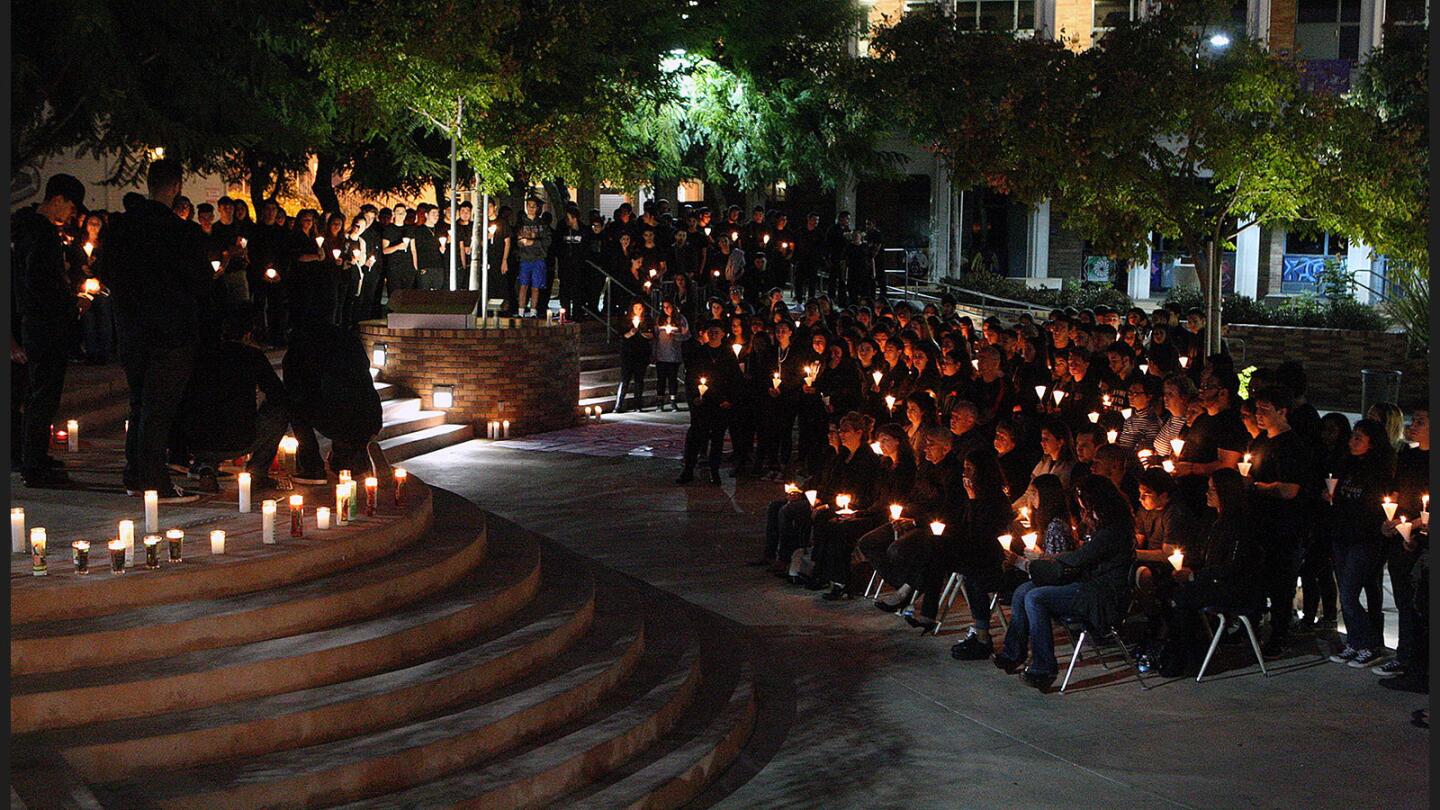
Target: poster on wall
(1099,269)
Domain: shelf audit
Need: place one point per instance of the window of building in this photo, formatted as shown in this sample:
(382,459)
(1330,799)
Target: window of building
(1110,13)
(996,15)
(1300,243)
(1328,29)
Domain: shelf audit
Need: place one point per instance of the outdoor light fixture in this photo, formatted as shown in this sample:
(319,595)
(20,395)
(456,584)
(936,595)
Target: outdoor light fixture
(377,355)
(444,397)
(1219,40)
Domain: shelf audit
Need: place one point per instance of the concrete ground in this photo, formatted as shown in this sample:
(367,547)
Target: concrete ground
(859,711)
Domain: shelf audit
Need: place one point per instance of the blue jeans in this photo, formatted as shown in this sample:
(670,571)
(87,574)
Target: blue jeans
(1030,610)
(1356,564)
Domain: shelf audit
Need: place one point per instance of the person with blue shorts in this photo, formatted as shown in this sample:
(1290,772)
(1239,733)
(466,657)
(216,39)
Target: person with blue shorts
(532,246)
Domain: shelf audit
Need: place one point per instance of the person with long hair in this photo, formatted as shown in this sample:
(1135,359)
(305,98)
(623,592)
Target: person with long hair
(894,481)
(1225,572)
(1356,519)
(671,330)
(1390,417)
(1097,574)
(920,416)
(635,354)
(1057,458)
(973,552)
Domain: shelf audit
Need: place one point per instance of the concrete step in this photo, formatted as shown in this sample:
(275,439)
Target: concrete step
(248,566)
(561,764)
(599,359)
(607,401)
(275,666)
(387,391)
(561,614)
(408,421)
(406,755)
(146,633)
(409,445)
(675,775)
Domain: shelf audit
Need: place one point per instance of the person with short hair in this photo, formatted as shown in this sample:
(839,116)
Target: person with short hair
(328,389)
(532,245)
(713,362)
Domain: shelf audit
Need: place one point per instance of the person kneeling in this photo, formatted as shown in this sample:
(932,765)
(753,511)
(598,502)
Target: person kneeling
(328,388)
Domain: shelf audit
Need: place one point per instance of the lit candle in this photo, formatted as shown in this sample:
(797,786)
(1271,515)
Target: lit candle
(1105,400)
(80,555)
(320,241)
(244,479)
(842,502)
(811,495)
(243,242)
(1094,417)
(791,489)
(1389,507)
(217,542)
(17,530)
(737,348)
(877,377)
(1144,368)
(322,517)
(126,534)
(1125,412)
(72,442)
(1176,446)
(267,522)
(215,265)
(890,402)
(505,428)
(896,510)
(937,527)
(1177,559)
(271,274)
(340,503)
(372,490)
(1330,482)
(336,253)
(1005,540)
(1168,466)
(152,551)
(1031,540)
(38,566)
(400,477)
(1058,395)
(1425,509)
(1144,453)
(1025,514)
(1040,392)
(1404,528)
(775,380)
(152,511)
(175,538)
(975,364)
(876,448)
(635,321)
(1184,362)
(1244,466)
(352,503)
(89,249)
(702,387)
(297,515)
(288,447)
(90,286)
(1111,436)
(117,556)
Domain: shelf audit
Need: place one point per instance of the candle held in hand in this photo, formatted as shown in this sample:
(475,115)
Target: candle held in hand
(1177,559)
(1031,540)
(1005,540)
(937,527)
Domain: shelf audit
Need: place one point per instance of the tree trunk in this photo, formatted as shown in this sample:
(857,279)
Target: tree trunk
(324,185)
(259,181)
(481,224)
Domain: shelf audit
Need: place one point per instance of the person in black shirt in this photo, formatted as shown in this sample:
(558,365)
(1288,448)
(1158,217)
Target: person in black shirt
(635,353)
(837,250)
(1405,559)
(427,259)
(712,377)
(1216,439)
(157,272)
(1356,522)
(400,271)
(48,309)
(328,389)
(1281,476)
(809,256)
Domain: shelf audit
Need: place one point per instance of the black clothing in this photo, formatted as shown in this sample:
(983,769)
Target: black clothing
(1104,562)
(219,406)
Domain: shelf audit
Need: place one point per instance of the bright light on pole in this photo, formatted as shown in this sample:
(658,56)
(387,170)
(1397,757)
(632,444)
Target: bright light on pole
(1220,40)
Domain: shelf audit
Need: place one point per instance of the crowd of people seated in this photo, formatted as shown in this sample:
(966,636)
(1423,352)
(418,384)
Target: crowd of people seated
(1096,467)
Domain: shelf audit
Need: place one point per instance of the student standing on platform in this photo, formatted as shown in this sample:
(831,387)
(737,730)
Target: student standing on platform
(532,245)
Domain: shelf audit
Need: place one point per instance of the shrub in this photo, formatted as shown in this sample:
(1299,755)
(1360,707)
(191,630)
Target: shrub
(1072,292)
(1305,310)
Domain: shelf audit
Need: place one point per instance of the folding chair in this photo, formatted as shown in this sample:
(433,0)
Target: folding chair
(947,598)
(1086,632)
(1215,635)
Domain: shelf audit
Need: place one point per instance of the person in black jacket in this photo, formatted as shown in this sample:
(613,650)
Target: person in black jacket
(328,388)
(158,275)
(857,475)
(1225,571)
(834,542)
(219,417)
(1098,583)
(974,554)
(712,381)
(1355,521)
(48,308)
(569,244)
(635,351)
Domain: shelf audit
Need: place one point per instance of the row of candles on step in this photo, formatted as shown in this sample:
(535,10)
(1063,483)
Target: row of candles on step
(498,429)
(122,548)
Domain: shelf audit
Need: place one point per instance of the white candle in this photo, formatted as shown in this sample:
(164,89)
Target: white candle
(1169,466)
(1177,559)
(1404,528)
(1389,507)
(1330,482)
(37,540)
(152,511)
(1111,436)
(896,510)
(244,479)
(217,542)
(1005,540)
(811,495)
(1125,412)
(72,441)
(126,535)
(322,517)
(17,530)
(505,428)
(1177,445)
(1094,417)
(1031,540)
(267,522)
(937,527)
(1039,392)
(1425,509)
(1058,395)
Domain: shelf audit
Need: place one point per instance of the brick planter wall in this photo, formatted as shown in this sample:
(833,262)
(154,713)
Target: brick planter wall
(528,373)
(1333,360)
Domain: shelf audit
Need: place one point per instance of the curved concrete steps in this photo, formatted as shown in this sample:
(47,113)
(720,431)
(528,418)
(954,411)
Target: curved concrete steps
(167,630)
(560,616)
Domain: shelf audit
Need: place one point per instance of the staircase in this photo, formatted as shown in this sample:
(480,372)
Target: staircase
(433,656)
(600,370)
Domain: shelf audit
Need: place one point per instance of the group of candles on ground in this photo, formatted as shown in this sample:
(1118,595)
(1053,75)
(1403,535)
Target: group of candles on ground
(122,547)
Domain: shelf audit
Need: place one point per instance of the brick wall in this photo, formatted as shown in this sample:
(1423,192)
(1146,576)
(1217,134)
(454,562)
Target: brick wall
(1333,360)
(528,373)
(1282,26)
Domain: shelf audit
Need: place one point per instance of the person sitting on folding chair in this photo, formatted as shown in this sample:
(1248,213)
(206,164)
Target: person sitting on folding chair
(1089,584)
(1224,572)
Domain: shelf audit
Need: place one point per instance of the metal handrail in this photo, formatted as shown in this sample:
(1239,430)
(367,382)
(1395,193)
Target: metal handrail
(605,293)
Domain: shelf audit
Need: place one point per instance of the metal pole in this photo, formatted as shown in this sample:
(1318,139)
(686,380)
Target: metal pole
(485,262)
(454,181)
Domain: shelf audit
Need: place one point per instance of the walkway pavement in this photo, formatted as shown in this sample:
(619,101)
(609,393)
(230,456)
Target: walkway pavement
(872,715)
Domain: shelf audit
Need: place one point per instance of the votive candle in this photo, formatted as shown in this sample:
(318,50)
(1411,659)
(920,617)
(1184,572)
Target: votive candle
(244,479)
(297,515)
(352,503)
(340,504)
(38,567)
(400,476)
(267,522)
(80,554)
(117,556)
(175,538)
(126,535)
(152,551)
(152,511)
(72,441)
(217,542)
(372,490)
(322,517)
